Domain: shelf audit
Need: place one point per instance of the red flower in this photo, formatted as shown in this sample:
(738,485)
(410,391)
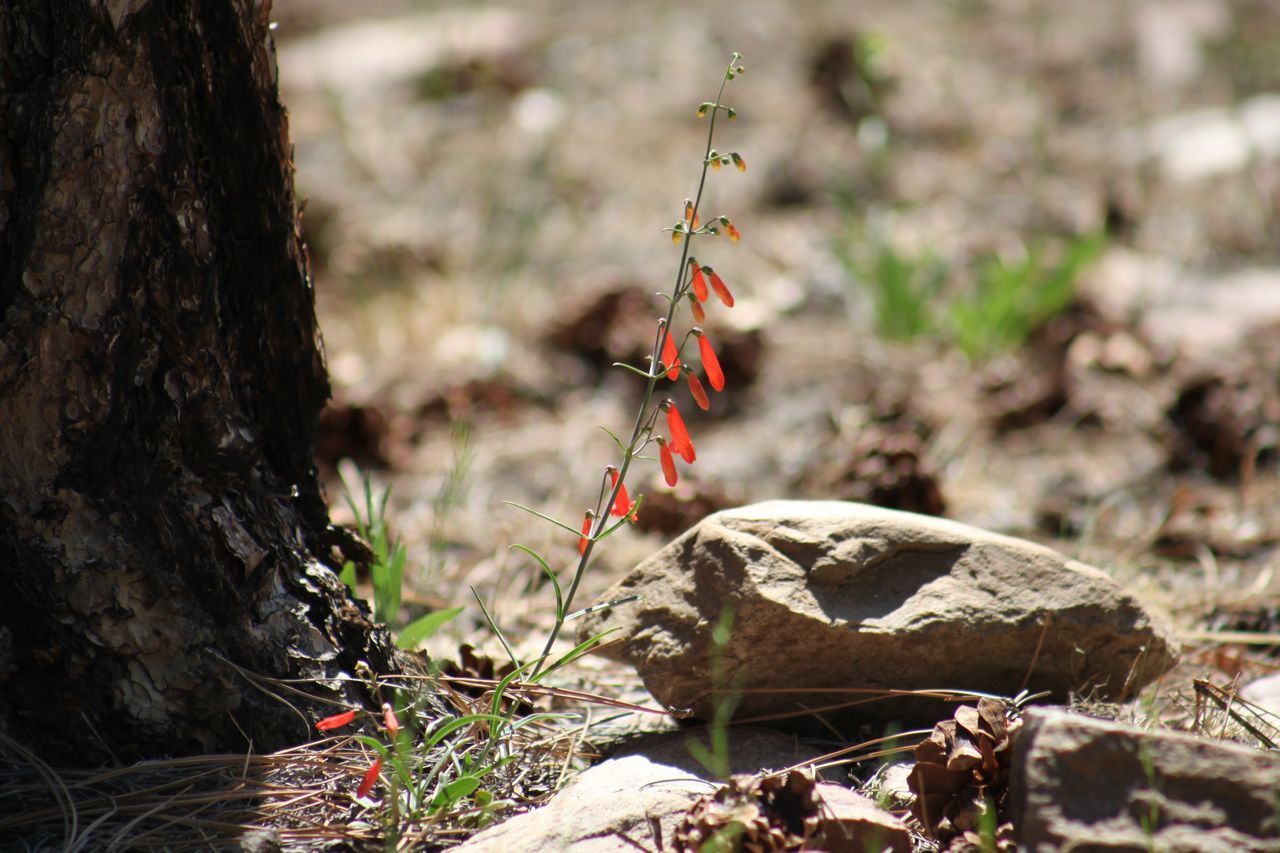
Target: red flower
(337,721)
(699,283)
(729,228)
(389,717)
(668,464)
(710,363)
(670,357)
(699,316)
(370,778)
(690,215)
(680,441)
(721,289)
(586,531)
(740,162)
(622,505)
(699,393)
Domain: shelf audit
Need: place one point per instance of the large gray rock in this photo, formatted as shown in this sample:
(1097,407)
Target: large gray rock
(614,805)
(850,597)
(1085,784)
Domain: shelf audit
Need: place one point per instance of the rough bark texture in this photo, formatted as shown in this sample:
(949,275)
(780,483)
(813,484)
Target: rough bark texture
(160,381)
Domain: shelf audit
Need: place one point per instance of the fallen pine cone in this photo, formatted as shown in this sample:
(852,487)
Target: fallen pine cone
(758,813)
(961,772)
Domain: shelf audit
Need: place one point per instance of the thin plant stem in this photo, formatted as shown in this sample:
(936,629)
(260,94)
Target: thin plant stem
(639,428)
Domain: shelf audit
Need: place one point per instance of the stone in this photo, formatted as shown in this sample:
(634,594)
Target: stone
(837,601)
(853,823)
(1264,694)
(613,805)
(1081,783)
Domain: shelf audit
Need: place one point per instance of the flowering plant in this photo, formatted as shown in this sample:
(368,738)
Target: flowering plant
(694,285)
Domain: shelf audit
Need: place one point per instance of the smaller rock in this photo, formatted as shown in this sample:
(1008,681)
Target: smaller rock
(852,823)
(623,802)
(789,811)
(1081,783)
(889,785)
(1265,693)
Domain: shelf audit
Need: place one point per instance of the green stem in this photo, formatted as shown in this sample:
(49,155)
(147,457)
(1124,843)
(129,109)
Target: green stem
(639,427)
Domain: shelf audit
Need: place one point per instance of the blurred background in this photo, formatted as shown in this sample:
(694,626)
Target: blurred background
(1009,261)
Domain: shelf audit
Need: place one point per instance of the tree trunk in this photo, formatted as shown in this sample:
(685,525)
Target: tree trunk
(161,524)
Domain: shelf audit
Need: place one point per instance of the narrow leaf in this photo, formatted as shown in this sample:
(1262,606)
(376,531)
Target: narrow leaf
(425,626)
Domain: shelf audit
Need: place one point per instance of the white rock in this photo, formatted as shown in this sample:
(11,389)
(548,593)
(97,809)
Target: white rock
(611,806)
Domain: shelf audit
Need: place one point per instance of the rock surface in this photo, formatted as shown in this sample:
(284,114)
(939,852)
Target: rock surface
(854,823)
(612,806)
(1081,783)
(842,597)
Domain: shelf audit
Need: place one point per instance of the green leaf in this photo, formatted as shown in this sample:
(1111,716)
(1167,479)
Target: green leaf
(555,582)
(621,521)
(373,743)
(425,626)
(459,722)
(455,791)
(497,632)
(573,654)
(532,511)
(638,372)
(596,608)
(502,688)
(348,575)
(610,432)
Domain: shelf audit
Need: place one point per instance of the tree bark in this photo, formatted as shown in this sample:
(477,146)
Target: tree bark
(161,377)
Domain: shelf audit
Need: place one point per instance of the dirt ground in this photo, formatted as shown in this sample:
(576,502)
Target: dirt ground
(486,187)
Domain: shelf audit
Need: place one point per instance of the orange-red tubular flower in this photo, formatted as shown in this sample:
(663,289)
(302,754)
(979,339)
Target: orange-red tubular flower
(586,531)
(699,316)
(699,283)
(337,721)
(622,505)
(389,718)
(670,357)
(690,215)
(710,363)
(680,441)
(370,778)
(668,463)
(699,393)
(721,289)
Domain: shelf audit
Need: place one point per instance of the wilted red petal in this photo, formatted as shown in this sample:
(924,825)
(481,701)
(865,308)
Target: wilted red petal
(370,778)
(699,393)
(710,363)
(699,283)
(586,531)
(622,505)
(337,721)
(722,290)
(680,441)
(389,717)
(668,464)
(671,358)
(699,316)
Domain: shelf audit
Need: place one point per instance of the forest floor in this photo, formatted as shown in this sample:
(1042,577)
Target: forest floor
(486,187)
